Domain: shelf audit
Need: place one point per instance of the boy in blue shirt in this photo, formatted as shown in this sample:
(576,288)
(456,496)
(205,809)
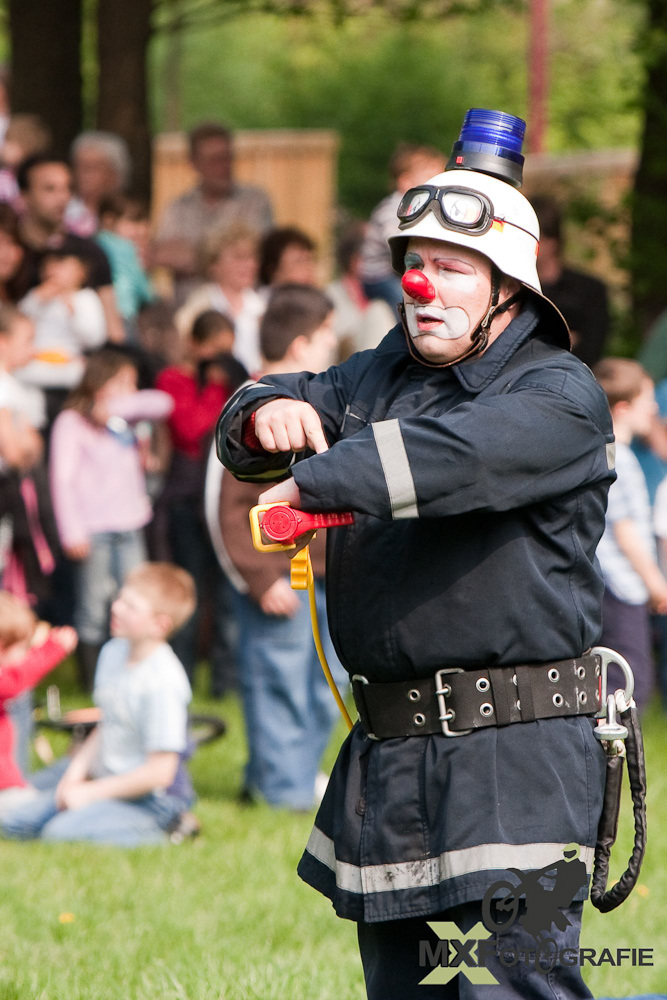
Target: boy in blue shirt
(127,785)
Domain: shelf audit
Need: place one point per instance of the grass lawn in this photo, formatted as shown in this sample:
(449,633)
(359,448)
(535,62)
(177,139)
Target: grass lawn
(226,918)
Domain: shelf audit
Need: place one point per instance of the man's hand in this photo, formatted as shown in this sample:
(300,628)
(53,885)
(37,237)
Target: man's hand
(280,600)
(289,425)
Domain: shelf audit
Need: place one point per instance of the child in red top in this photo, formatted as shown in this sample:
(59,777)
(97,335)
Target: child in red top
(28,651)
(199,386)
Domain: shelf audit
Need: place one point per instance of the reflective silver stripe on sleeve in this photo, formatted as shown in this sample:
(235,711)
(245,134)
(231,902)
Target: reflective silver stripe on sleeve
(611,455)
(396,468)
(432,871)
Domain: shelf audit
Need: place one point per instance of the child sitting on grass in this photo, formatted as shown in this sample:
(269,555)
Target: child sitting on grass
(127,784)
(28,651)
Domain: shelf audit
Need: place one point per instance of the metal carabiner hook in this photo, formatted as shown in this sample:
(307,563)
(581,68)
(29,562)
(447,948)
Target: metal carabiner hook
(607,656)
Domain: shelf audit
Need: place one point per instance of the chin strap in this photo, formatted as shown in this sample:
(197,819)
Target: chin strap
(480,336)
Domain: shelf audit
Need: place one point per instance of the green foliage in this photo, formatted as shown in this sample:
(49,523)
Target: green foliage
(378,81)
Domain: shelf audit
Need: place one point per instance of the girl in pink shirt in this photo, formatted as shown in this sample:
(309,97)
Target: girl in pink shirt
(99,490)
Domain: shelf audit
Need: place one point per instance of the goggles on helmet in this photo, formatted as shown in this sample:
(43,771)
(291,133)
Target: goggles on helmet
(460,209)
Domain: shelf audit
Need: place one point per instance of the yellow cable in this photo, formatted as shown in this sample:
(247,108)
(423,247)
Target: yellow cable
(318,644)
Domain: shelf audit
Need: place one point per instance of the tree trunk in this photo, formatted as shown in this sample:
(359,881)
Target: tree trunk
(45,44)
(649,209)
(123,31)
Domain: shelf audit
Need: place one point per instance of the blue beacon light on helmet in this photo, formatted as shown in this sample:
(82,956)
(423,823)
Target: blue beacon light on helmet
(490,142)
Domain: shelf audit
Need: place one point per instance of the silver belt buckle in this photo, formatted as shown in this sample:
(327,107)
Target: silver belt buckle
(442,691)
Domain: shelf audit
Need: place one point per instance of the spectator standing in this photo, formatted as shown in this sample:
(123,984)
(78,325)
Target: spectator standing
(581,298)
(131,283)
(214,203)
(14,279)
(69,319)
(27,538)
(409,166)
(359,323)
(45,183)
(627,551)
(25,136)
(287,256)
(288,708)
(230,259)
(199,387)
(127,785)
(101,167)
(99,488)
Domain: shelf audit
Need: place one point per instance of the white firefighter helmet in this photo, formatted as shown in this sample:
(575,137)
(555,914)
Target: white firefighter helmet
(475,210)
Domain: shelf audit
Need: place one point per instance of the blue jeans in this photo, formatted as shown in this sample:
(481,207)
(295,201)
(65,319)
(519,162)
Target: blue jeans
(391,954)
(112,555)
(20,711)
(113,822)
(289,709)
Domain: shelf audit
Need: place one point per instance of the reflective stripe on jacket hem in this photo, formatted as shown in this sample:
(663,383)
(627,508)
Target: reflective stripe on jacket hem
(433,871)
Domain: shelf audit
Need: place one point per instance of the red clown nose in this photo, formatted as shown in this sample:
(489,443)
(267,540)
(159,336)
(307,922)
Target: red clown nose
(417,285)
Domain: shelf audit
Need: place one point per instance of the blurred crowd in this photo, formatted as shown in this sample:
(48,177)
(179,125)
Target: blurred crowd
(121,339)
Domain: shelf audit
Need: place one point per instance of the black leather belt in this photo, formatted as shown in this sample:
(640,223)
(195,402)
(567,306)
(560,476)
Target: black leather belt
(456,701)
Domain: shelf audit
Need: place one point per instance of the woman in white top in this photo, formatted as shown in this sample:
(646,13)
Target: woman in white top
(231,260)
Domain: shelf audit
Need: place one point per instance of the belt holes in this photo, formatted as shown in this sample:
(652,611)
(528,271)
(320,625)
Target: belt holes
(414,694)
(518,703)
(557,700)
(486,709)
(483,684)
(514,680)
(419,719)
(597,670)
(553,675)
(446,690)
(583,697)
(581,672)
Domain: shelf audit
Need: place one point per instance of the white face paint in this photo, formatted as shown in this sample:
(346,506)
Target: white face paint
(452,322)
(443,322)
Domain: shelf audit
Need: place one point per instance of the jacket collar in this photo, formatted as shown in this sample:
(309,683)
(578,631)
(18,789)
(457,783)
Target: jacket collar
(477,372)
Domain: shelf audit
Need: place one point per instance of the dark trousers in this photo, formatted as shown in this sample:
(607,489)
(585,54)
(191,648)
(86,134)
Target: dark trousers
(626,628)
(395,960)
(192,550)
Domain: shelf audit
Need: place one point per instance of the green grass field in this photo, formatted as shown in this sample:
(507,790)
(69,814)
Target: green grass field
(225,917)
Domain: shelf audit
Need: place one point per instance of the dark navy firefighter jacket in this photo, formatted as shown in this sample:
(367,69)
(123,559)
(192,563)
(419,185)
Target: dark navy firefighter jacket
(480,493)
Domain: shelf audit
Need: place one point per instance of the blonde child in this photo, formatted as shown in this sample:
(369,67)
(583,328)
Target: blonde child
(127,784)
